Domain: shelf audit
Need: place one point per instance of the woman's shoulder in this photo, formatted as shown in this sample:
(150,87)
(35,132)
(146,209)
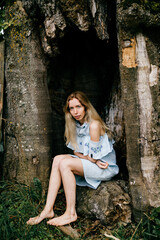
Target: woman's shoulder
(95,125)
(95,130)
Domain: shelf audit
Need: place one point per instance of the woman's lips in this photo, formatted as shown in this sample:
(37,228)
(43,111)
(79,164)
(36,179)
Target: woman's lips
(77,116)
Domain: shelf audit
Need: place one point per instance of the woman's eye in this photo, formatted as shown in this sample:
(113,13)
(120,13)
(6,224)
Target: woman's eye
(79,106)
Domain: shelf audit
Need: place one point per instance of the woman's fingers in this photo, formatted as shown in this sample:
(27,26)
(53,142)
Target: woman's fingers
(102,164)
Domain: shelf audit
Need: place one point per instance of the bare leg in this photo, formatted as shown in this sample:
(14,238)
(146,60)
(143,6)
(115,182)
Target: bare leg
(68,168)
(54,185)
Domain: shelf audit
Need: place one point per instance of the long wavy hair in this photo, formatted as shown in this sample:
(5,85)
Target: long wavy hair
(70,122)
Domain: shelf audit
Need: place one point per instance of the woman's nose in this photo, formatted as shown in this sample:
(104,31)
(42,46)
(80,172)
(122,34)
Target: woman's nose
(75,110)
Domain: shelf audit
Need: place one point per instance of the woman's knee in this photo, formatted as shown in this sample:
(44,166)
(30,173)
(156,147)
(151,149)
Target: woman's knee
(65,164)
(57,160)
(71,164)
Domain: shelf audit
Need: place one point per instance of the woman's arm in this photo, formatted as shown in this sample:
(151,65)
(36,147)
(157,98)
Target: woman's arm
(95,130)
(99,163)
(80,155)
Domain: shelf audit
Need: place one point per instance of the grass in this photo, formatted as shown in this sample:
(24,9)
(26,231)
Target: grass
(19,202)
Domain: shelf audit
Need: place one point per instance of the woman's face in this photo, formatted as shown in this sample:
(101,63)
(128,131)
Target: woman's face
(77,110)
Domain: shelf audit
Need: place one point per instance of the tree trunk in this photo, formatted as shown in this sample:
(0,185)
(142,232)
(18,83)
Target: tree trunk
(139,61)
(79,41)
(1,101)
(1,84)
(28,109)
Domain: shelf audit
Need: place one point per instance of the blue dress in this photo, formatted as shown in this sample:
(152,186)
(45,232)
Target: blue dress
(102,150)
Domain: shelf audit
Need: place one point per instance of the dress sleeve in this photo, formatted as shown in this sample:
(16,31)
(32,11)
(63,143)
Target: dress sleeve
(97,150)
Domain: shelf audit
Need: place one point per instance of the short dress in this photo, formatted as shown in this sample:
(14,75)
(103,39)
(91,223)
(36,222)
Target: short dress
(102,150)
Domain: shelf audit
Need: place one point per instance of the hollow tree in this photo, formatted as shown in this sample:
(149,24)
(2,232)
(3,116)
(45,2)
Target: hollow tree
(96,47)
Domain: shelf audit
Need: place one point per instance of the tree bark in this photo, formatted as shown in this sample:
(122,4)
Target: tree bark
(1,84)
(110,203)
(139,67)
(29,128)
(133,116)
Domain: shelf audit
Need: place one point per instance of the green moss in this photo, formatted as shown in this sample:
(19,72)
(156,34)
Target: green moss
(151,5)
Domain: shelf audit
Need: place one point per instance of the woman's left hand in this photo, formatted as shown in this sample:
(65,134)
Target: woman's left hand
(101,164)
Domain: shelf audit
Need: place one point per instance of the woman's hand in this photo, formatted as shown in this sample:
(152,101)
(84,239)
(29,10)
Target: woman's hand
(101,164)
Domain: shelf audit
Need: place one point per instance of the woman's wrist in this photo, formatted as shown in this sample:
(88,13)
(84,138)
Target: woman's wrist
(91,159)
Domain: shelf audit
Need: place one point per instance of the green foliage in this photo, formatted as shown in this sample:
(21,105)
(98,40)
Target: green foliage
(147,229)
(2,17)
(4,24)
(151,224)
(152,5)
(18,203)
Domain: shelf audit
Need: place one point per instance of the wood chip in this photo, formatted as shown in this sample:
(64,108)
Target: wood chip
(69,231)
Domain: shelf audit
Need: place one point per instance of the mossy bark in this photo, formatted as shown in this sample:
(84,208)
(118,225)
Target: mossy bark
(27,109)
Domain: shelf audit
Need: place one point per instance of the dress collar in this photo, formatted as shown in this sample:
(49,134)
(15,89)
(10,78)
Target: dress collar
(84,125)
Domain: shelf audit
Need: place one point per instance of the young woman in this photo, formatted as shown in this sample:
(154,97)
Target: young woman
(93,158)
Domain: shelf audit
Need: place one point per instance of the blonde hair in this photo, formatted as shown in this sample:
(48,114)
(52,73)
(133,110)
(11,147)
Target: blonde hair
(91,114)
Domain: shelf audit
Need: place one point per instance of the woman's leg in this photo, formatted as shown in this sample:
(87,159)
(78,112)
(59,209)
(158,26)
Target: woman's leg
(68,167)
(54,185)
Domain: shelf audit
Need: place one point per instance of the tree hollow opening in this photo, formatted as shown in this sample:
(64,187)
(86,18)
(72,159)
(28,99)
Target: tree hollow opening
(87,64)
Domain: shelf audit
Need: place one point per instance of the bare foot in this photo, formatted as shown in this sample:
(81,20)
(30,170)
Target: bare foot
(63,220)
(40,217)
